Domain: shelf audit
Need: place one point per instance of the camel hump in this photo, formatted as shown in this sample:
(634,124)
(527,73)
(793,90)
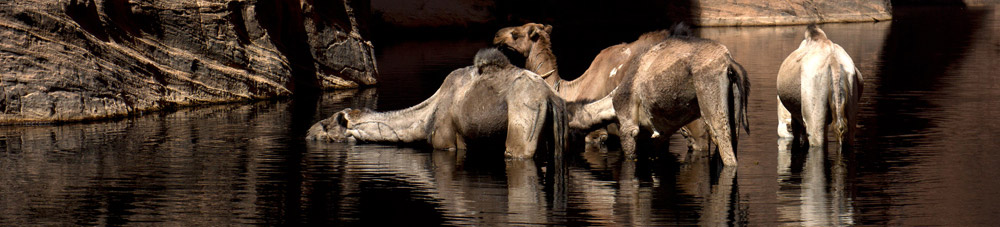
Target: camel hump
(814,33)
(490,59)
(681,30)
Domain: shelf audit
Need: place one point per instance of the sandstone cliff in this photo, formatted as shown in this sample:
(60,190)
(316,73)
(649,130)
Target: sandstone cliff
(781,12)
(72,60)
(466,13)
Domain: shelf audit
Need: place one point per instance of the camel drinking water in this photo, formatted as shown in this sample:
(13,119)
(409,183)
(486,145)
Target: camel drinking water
(818,87)
(604,74)
(677,81)
(479,102)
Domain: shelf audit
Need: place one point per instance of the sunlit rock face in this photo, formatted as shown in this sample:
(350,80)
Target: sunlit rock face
(74,60)
(775,12)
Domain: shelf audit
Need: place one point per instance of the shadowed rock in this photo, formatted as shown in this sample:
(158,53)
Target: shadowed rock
(86,59)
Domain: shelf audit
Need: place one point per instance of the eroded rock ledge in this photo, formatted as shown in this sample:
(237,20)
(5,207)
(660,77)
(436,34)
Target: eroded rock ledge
(784,12)
(71,60)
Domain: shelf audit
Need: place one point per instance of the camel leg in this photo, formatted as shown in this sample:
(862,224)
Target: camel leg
(713,101)
(628,129)
(815,94)
(628,133)
(784,121)
(443,137)
(814,118)
(524,127)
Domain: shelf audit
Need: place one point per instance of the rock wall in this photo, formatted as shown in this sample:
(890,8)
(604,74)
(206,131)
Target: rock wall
(467,13)
(72,60)
(783,12)
(434,13)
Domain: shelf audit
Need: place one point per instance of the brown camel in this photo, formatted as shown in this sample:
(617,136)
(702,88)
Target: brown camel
(818,86)
(677,81)
(474,103)
(604,74)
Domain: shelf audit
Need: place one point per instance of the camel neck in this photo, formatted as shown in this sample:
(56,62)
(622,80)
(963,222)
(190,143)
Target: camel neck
(405,125)
(541,60)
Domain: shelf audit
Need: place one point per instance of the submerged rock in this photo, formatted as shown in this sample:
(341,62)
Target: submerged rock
(84,59)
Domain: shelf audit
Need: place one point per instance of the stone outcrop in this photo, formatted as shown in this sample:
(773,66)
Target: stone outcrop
(74,60)
(467,13)
(783,12)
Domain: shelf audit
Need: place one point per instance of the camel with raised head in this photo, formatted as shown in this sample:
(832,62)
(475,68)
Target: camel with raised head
(677,81)
(480,102)
(604,74)
(818,87)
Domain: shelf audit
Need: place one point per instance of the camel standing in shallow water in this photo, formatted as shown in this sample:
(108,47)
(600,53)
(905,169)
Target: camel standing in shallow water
(480,102)
(677,81)
(604,74)
(818,85)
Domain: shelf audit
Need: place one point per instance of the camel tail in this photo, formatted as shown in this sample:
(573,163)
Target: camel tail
(740,93)
(557,107)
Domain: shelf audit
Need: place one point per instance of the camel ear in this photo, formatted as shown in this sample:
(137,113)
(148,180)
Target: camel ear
(536,31)
(341,119)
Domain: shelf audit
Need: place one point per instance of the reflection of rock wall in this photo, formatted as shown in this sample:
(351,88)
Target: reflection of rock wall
(771,12)
(85,59)
(215,165)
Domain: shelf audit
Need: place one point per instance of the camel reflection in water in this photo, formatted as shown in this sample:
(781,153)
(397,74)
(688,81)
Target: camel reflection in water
(705,182)
(818,199)
(591,187)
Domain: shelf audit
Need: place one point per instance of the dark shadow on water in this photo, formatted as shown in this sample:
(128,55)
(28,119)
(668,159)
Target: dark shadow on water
(915,67)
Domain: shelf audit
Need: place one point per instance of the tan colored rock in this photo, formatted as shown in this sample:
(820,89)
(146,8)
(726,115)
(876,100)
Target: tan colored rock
(784,12)
(73,60)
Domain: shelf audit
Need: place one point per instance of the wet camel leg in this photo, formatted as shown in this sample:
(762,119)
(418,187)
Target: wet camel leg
(715,110)
(814,109)
(784,121)
(524,126)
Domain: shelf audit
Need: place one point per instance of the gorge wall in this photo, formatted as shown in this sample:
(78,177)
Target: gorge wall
(71,60)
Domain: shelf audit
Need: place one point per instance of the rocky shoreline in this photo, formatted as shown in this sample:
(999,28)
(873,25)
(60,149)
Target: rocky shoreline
(73,60)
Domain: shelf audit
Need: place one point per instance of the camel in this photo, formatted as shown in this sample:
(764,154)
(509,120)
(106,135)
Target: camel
(677,81)
(604,74)
(818,87)
(479,102)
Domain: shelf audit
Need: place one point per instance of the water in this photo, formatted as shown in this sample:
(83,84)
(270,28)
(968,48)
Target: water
(925,154)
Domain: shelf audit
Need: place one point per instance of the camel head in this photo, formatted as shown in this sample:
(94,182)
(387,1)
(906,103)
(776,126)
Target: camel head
(336,128)
(522,38)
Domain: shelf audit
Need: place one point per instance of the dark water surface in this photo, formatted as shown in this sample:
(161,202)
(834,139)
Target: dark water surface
(926,154)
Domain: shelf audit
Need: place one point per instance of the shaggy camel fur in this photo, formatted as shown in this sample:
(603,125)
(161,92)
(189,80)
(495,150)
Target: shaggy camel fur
(677,81)
(480,102)
(818,86)
(604,74)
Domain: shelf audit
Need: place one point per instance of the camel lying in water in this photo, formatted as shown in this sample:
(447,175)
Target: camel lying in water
(480,102)
(818,86)
(677,81)
(604,74)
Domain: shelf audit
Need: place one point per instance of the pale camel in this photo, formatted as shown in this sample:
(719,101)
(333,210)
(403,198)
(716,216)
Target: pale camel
(480,102)
(818,87)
